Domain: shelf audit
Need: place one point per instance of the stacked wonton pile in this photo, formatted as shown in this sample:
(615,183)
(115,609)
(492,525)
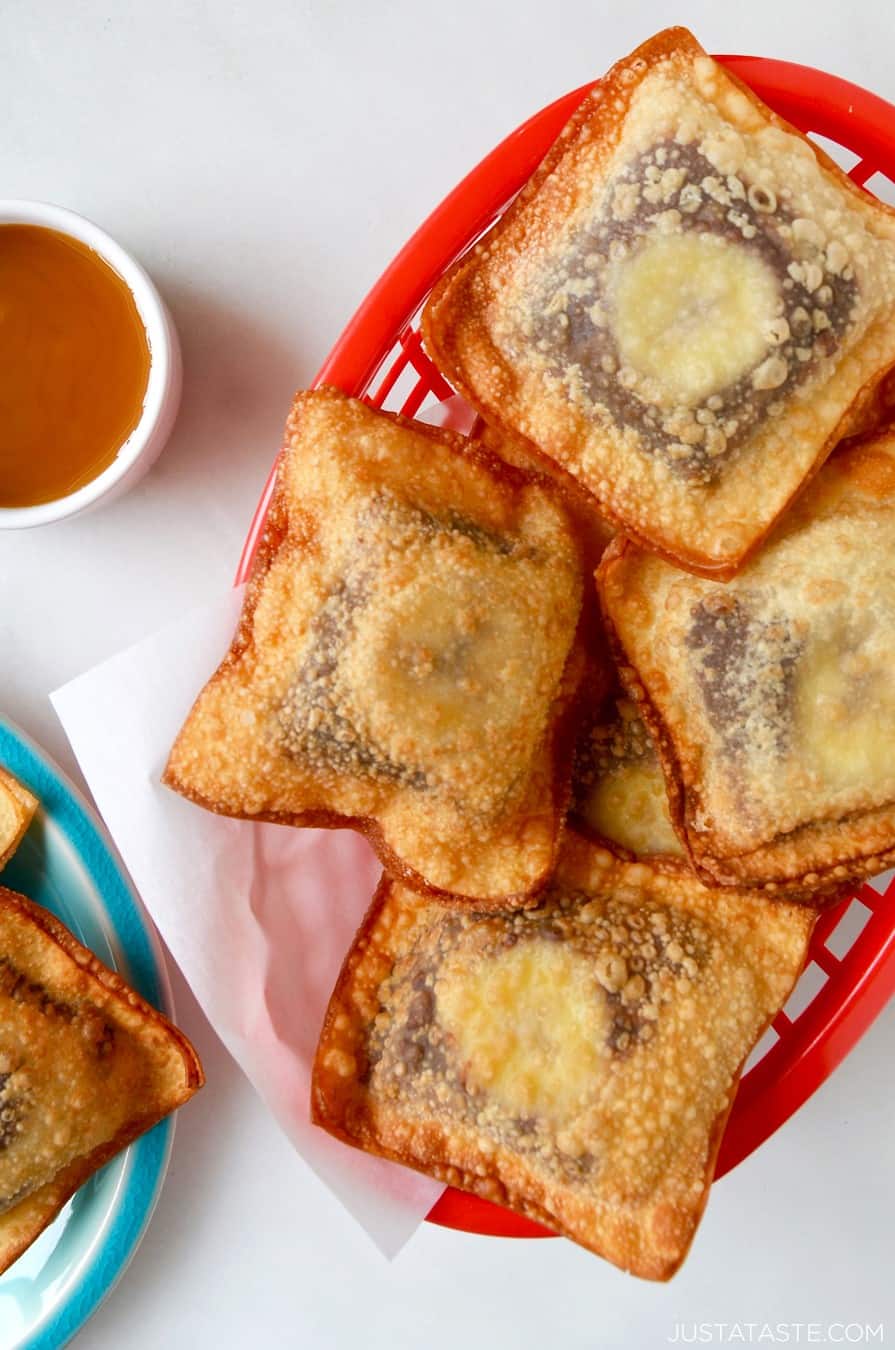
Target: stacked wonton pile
(604,827)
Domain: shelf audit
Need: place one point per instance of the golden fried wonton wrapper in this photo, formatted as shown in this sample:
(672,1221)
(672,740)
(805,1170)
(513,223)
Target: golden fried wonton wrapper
(575,1062)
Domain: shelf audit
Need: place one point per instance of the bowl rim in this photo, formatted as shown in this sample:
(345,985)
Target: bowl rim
(163,356)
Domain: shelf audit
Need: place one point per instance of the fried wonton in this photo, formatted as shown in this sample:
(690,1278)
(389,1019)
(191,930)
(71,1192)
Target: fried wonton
(575,1062)
(86,1065)
(406,659)
(772,698)
(618,788)
(17,808)
(687,307)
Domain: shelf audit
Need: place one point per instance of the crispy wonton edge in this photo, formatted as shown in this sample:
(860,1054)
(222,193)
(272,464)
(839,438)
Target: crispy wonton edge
(604,118)
(560,739)
(36,1211)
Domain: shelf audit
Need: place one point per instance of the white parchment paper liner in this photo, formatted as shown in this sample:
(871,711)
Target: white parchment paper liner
(258,917)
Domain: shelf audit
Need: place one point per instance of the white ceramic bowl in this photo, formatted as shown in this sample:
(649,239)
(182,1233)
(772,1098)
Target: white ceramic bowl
(162,399)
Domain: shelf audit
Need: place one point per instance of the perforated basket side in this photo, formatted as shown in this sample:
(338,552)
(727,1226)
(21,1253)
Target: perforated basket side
(850,974)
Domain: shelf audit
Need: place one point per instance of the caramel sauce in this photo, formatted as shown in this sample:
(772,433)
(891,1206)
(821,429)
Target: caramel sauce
(74,365)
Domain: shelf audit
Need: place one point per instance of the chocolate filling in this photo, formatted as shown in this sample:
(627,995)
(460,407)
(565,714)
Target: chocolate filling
(16,985)
(817,303)
(602,748)
(745,668)
(313,723)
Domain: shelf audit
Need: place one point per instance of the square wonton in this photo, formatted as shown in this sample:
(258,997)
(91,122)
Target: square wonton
(86,1065)
(687,307)
(406,659)
(575,1062)
(772,698)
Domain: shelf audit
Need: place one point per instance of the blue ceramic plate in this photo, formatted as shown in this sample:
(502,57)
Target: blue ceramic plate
(65,864)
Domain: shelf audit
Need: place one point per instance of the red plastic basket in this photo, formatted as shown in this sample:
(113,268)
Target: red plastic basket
(850,974)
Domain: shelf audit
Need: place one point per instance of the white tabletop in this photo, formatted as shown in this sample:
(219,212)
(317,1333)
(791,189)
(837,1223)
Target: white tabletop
(265,160)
